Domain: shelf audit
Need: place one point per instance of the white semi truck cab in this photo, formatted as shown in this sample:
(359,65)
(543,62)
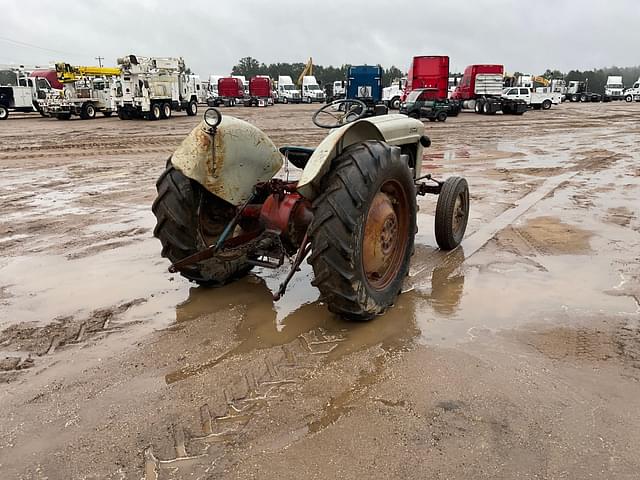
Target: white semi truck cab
(613,88)
(311,91)
(391,94)
(633,93)
(287,91)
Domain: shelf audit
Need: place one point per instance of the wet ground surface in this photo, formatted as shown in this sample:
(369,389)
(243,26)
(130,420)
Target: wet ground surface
(515,356)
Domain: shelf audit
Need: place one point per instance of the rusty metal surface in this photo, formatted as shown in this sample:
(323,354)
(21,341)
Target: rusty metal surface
(229,164)
(380,236)
(385,235)
(393,129)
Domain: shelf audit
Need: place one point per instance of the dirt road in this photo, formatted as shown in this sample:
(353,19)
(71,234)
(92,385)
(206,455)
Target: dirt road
(514,356)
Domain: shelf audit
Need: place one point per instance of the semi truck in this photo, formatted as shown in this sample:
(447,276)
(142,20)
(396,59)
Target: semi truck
(287,91)
(480,90)
(212,89)
(154,87)
(633,93)
(364,83)
(613,89)
(230,92)
(430,72)
(260,92)
(578,91)
(540,98)
(86,91)
(20,92)
(392,94)
(311,91)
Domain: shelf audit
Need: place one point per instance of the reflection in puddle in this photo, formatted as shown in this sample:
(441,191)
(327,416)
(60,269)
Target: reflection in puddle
(260,327)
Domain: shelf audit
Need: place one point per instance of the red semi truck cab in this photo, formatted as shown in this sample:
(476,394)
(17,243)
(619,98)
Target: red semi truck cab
(480,80)
(480,90)
(260,87)
(431,72)
(229,87)
(260,92)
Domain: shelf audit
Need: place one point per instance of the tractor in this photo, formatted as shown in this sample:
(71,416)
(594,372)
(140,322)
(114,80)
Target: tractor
(225,205)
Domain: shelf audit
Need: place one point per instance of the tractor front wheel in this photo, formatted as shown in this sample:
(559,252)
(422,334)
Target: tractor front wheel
(452,213)
(189,219)
(363,230)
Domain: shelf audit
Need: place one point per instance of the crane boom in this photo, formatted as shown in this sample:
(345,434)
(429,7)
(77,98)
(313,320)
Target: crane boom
(308,70)
(70,73)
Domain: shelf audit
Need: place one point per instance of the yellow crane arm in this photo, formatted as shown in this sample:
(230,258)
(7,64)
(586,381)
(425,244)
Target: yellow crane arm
(308,70)
(543,81)
(71,73)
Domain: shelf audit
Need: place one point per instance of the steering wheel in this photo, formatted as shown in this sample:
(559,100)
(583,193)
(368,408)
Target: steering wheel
(339,113)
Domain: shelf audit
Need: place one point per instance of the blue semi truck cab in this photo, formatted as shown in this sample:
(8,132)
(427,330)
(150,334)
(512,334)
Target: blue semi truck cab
(364,83)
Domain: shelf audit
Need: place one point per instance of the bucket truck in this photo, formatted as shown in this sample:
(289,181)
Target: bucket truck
(154,87)
(86,91)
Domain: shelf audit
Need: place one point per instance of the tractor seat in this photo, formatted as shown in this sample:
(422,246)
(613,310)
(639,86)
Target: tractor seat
(299,156)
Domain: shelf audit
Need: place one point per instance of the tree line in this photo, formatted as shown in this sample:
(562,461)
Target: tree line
(596,78)
(249,66)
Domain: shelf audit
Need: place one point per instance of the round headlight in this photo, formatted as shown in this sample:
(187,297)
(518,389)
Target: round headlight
(212,117)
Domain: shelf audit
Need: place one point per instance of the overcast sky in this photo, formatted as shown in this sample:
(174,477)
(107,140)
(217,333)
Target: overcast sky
(212,35)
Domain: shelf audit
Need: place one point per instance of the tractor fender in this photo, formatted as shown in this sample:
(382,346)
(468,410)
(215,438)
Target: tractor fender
(394,129)
(229,161)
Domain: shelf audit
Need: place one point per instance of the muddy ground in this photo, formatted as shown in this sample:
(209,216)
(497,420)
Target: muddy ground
(514,356)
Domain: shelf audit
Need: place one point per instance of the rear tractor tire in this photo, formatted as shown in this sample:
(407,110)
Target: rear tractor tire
(363,230)
(189,219)
(452,213)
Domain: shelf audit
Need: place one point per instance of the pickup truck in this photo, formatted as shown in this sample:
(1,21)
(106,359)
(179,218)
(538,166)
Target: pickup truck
(541,98)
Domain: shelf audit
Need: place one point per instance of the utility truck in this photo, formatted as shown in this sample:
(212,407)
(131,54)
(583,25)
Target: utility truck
(540,98)
(613,89)
(287,91)
(86,91)
(480,90)
(392,94)
(21,93)
(260,94)
(311,91)
(633,93)
(154,87)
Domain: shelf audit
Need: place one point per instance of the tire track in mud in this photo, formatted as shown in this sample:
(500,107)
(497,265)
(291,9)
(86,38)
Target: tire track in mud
(63,332)
(238,402)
